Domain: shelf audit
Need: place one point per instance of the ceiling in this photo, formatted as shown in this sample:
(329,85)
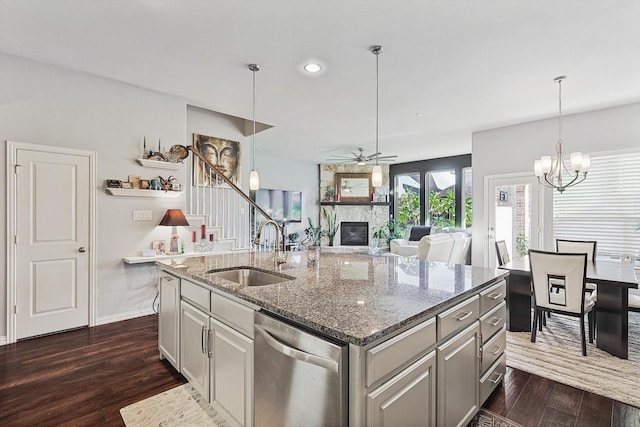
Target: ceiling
(448,68)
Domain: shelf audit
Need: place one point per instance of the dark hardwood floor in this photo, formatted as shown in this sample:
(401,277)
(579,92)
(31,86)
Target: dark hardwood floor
(84,377)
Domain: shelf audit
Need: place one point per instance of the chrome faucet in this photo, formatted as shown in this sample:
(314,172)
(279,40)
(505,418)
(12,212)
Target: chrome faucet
(278,258)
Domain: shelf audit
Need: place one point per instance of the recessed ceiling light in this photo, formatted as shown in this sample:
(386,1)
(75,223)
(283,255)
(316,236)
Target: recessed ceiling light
(418,115)
(312,68)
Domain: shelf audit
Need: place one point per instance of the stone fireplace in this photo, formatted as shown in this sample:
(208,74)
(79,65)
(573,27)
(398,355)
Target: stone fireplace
(354,233)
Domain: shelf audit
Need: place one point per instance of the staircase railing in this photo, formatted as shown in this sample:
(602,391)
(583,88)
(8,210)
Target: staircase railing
(225,206)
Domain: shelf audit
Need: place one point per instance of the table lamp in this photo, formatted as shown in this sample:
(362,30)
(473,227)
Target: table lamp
(174,218)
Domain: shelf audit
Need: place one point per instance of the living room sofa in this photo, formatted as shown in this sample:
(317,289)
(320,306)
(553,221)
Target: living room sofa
(409,246)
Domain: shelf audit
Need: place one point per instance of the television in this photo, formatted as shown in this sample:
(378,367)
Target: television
(281,205)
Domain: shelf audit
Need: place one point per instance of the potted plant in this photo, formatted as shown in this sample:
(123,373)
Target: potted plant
(314,234)
(332,224)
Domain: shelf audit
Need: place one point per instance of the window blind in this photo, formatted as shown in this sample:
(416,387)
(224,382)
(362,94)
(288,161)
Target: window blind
(605,207)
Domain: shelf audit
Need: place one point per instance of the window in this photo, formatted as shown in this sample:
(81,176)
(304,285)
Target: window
(467,191)
(441,200)
(407,193)
(605,207)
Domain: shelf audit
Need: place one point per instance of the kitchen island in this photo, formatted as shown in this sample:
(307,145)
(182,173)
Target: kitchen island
(402,320)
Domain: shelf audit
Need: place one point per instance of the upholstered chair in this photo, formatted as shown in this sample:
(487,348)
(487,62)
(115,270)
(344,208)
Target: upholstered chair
(502,252)
(435,247)
(570,270)
(579,247)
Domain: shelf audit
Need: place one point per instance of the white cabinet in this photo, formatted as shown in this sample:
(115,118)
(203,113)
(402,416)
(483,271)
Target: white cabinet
(194,347)
(169,319)
(216,350)
(458,377)
(231,368)
(407,399)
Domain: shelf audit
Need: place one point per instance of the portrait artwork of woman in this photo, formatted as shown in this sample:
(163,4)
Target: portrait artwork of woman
(222,153)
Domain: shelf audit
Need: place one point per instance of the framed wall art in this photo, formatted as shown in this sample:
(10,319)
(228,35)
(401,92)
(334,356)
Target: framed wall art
(353,187)
(223,154)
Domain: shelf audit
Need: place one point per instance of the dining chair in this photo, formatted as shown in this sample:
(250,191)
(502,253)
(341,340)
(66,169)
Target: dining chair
(502,252)
(579,247)
(570,269)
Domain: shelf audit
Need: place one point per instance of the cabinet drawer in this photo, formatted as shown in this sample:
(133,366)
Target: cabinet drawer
(493,321)
(492,378)
(390,355)
(493,296)
(493,349)
(233,314)
(196,294)
(458,317)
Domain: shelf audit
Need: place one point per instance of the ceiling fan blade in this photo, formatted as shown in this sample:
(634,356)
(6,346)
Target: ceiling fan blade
(387,157)
(373,156)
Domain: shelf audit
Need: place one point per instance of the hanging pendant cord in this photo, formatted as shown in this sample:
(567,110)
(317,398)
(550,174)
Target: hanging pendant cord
(377,100)
(560,110)
(253,137)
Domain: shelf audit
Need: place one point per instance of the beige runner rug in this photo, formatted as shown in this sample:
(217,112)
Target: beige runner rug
(557,355)
(180,406)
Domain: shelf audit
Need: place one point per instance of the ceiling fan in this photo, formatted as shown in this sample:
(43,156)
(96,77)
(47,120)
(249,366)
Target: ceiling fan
(361,159)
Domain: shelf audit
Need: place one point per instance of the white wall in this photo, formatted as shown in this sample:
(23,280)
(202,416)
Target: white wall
(513,149)
(42,104)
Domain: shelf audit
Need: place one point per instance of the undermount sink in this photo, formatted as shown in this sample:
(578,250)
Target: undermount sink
(250,277)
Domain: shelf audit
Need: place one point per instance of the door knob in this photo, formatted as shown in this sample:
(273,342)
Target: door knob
(82,249)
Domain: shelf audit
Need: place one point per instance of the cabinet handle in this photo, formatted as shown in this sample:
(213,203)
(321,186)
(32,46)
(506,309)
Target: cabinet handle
(496,321)
(203,339)
(167,278)
(464,316)
(495,296)
(497,380)
(297,354)
(497,350)
(209,346)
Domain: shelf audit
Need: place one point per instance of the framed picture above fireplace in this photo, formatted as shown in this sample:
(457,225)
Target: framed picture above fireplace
(353,187)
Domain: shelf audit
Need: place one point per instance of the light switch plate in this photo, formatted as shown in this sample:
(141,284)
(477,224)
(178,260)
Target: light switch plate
(142,215)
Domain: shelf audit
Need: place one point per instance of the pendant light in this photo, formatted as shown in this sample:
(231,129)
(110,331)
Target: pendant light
(550,170)
(254,179)
(376,173)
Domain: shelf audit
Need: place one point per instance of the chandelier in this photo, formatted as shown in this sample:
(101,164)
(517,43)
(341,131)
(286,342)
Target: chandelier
(556,172)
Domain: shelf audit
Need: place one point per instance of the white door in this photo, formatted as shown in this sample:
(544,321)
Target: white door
(52,225)
(513,214)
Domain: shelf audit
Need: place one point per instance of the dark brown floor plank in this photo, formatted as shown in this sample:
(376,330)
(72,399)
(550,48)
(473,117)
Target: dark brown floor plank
(625,415)
(553,418)
(503,398)
(532,402)
(595,411)
(566,399)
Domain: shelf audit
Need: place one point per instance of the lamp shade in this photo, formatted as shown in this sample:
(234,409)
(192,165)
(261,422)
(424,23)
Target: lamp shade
(174,217)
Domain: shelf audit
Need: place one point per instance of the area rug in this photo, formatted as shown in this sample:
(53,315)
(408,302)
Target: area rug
(180,406)
(485,418)
(557,355)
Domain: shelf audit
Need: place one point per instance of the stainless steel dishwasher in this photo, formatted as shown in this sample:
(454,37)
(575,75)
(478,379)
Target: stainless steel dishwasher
(300,379)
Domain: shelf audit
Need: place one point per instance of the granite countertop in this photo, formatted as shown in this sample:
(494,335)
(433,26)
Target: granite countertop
(350,297)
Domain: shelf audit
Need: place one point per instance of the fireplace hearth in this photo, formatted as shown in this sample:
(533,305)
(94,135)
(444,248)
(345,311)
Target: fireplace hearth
(354,233)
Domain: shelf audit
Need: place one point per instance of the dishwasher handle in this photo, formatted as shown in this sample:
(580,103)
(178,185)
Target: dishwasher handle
(294,353)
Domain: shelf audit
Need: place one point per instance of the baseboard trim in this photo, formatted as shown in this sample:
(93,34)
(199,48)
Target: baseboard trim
(3,340)
(124,316)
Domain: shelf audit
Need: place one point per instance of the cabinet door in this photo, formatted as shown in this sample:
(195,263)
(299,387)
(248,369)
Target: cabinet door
(232,374)
(407,399)
(169,319)
(458,378)
(194,326)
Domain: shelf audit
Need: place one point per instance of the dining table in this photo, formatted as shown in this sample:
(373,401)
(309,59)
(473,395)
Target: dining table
(613,280)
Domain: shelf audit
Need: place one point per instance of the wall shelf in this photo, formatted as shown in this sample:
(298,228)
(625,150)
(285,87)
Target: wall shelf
(128,192)
(159,164)
(354,204)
